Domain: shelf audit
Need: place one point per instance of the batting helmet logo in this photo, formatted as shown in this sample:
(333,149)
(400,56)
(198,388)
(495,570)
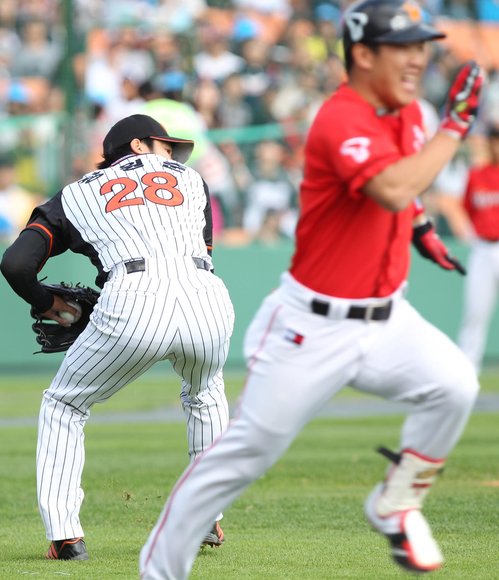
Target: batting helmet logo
(356,22)
(413,10)
(400,21)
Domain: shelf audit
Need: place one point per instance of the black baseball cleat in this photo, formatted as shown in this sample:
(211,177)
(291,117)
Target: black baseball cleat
(72,549)
(215,537)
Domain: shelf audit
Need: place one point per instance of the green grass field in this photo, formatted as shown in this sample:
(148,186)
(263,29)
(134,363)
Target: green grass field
(20,396)
(301,521)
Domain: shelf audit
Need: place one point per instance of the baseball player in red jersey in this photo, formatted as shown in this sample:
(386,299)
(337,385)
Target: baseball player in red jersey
(144,220)
(339,316)
(481,203)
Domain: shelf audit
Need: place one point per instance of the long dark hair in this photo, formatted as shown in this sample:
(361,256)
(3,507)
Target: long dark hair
(120,152)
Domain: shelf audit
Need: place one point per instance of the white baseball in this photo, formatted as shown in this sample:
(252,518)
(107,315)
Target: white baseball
(68,317)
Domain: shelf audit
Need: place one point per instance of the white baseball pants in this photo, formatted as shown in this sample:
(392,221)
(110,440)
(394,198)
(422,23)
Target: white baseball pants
(480,292)
(141,318)
(402,359)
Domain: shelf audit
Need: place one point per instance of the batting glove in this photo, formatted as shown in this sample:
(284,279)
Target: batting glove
(430,246)
(462,102)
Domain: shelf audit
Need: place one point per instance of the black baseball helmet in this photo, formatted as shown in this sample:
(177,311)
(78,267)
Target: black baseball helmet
(386,22)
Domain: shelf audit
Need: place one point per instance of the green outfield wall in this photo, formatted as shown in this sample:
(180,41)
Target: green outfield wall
(250,273)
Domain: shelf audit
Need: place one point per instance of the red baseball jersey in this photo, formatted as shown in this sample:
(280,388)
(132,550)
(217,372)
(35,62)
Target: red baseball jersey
(482,201)
(347,245)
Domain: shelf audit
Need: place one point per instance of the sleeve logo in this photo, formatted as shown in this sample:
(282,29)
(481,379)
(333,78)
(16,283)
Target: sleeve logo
(356,22)
(419,138)
(357,148)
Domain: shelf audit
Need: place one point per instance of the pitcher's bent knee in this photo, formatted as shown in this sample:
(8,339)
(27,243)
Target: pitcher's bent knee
(51,399)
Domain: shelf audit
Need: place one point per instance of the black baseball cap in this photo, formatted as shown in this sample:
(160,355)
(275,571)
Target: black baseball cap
(140,127)
(386,22)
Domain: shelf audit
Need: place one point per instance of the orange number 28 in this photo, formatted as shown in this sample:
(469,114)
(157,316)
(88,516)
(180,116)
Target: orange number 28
(150,192)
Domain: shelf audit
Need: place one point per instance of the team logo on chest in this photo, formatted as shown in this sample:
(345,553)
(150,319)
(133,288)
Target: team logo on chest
(357,148)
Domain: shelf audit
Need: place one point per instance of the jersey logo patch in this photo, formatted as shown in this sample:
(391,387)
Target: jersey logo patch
(135,164)
(172,166)
(293,336)
(91,177)
(357,148)
(356,22)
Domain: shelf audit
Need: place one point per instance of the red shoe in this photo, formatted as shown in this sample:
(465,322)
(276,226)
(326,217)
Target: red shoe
(215,537)
(72,549)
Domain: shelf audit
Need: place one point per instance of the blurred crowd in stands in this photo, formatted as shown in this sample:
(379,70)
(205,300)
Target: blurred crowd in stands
(244,78)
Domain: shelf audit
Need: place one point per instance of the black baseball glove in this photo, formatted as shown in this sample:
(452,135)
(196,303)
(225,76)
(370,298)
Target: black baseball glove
(54,337)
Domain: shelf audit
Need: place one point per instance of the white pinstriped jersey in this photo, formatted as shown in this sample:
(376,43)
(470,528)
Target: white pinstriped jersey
(143,206)
(170,308)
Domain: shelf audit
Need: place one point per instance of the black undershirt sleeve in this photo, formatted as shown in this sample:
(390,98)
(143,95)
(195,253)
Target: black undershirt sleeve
(44,236)
(208,229)
(20,265)
(48,233)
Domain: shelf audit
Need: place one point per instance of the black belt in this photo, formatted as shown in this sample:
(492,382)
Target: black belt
(202,264)
(140,265)
(135,266)
(367,313)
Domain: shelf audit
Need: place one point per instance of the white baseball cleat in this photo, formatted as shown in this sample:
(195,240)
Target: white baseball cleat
(412,544)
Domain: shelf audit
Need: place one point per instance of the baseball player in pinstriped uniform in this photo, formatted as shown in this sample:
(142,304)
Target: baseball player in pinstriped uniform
(144,220)
(339,316)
